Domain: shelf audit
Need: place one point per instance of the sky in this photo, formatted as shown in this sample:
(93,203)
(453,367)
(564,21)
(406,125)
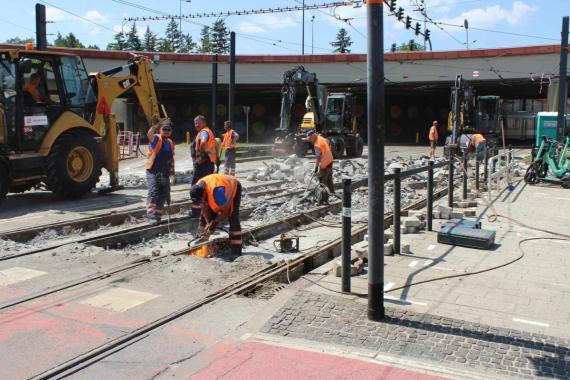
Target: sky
(505,22)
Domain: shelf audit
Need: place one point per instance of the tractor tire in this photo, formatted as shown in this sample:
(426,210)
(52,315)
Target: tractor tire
(4,182)
(355,147)
(337,146)
(300,149)
(73,165)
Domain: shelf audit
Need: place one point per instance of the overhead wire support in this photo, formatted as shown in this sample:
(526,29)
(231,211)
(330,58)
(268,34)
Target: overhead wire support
(244,12)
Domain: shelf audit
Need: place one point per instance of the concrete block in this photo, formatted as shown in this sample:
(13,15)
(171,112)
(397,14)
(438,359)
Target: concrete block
(470,213)
(436,215)
(337,268)
(388,249)
(422,225)
(410,221)
(405,248)
(444,209)
(463,204)
(457,215)
(388,234)
(445,215)
(412,230)
(366,237)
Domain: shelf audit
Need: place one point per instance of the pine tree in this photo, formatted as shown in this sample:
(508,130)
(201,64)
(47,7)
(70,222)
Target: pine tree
(205,42)
(410,46)
(171,41)
(59,40)
(94,47)
(150,40)
(69,41)
(133,39)
(19,41)
(187,44)
(119,43)
(342,42)
(220,37)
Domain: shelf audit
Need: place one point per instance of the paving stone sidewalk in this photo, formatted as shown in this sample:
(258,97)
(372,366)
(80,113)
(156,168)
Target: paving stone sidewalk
(453,342)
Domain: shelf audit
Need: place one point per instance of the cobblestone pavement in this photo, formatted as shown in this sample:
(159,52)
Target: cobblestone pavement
(472,346)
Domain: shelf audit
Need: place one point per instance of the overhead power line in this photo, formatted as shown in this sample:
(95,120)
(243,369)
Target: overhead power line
(78,16)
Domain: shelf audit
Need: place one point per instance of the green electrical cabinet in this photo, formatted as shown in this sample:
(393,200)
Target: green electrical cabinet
(546,124)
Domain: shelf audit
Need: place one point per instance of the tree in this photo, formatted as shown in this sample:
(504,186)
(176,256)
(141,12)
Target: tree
(120,43)
(187,44)
(94,47)
(342,43)
(19,41)
(133,40)
(172,37)
(150,40)
(205,42)
(69,41)
(219,38)
(410,46)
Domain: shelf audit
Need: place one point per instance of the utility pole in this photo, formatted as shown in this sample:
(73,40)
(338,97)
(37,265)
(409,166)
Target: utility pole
(466,25)
(232,99)
(563,88)
(303,31)
(375,109)
(180,21)
(313,35)
(41,29)
(214,90)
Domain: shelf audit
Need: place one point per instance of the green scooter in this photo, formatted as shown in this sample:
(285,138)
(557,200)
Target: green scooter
(551,156)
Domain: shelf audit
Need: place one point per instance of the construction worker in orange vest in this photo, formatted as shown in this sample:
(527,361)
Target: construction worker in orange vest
(477,142)
(324,162)
(433,137)
(229,143)
(204,154)
(32,90)
(159,167)
(219,197)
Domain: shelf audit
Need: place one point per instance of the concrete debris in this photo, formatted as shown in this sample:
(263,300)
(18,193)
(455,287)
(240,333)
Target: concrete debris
(355,268)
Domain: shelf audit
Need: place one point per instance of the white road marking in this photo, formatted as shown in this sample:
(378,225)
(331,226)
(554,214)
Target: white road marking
(435,266)
(404,301)
(413,263)
(388,286)
(18,274)
(431,247)
(119,299)
(542,324)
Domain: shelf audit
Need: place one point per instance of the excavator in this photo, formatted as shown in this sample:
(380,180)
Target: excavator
(473,114)
(56,125)
(330,114)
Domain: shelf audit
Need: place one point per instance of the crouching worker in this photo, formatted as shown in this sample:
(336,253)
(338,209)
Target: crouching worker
(219,196)
(159,167)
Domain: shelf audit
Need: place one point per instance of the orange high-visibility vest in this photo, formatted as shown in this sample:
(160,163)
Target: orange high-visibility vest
(478,138)
(229,184)
(326,154)
(229,142)
(151,153)
(433,134)
(210,145)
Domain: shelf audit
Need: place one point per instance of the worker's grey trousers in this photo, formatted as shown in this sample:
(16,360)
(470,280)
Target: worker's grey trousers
(158,193)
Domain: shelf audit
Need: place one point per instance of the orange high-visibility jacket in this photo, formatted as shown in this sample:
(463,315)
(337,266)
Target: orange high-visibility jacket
(210,145)
(229,142)
(433,134)
(326,154)
(229,184)
(478,138)
(151,153)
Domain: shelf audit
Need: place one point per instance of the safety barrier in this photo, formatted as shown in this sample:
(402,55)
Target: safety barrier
(129,143)
(499,168)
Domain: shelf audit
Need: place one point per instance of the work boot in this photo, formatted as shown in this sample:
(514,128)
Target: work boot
(235,252)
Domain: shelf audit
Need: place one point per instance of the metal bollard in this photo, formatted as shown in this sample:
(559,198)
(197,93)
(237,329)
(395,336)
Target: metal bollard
(430,196)
(397,208)
(450,182)
(486,166)
(346,234)
(477,174)
(465,177)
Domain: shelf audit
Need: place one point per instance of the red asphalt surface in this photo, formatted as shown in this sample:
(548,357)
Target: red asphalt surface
(253,360)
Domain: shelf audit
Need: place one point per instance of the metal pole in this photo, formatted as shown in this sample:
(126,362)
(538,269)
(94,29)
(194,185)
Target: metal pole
(232,102)
(303,31)
(375,110)
(346,235)
(430,196)
(313,35)
(397,209)
(486,166)
(180,21)
(477,174)
(41,29)
(247,127)
(214,90)
(465,176)
(563,91)
(450,182)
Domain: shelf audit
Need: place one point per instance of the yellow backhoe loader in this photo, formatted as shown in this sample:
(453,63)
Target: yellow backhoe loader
(56,125)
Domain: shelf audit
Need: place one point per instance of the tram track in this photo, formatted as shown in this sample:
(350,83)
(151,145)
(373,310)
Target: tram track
(279,272)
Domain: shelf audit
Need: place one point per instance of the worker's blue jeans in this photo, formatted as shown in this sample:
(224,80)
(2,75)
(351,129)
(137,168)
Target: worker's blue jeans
(158,193)
(200,171)
(480,151)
